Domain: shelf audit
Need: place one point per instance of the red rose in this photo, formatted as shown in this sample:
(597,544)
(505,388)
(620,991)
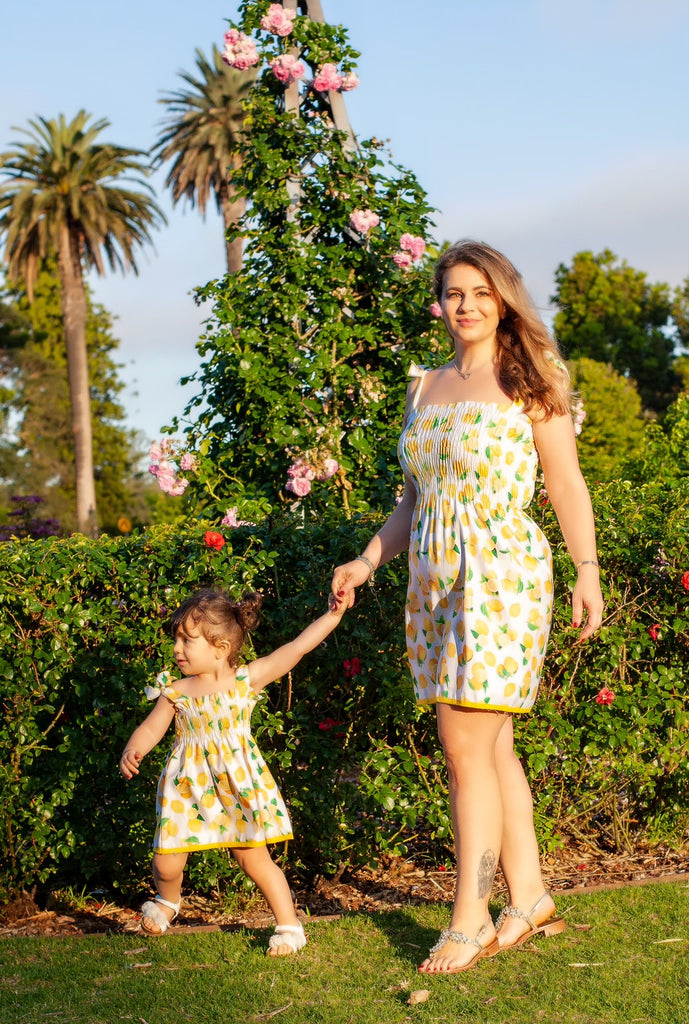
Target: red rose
(605,696)
(352,667)
(214,540)
(654,631)
(685,580)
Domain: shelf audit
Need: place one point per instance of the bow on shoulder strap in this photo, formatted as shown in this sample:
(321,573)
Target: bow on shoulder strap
(162,683)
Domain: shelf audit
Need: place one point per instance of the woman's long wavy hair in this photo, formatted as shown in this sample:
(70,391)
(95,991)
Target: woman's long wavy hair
(529,363)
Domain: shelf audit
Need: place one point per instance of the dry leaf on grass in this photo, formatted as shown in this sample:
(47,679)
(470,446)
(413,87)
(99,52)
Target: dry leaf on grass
(273,1013)
(421,995)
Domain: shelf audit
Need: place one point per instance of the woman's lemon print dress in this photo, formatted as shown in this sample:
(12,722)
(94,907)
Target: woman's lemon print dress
(480,577)
(216,789)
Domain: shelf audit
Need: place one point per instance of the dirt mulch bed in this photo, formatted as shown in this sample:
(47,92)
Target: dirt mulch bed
(395,884)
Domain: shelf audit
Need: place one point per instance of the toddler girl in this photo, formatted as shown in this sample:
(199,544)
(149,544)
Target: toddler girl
(216,789)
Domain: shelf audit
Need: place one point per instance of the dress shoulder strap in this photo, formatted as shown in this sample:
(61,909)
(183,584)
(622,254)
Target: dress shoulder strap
(420,372)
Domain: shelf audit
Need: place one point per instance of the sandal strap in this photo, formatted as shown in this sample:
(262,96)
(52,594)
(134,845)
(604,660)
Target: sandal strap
(450,935)
(167,903)
(292,935)
(511,911)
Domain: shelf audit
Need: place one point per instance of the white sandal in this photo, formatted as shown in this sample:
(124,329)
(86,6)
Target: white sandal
(151,911)
(291,935)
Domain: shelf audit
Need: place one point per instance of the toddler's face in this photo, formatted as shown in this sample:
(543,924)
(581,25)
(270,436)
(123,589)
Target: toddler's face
(194,654)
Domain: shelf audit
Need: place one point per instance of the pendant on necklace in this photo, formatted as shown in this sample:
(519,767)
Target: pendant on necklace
(462,374)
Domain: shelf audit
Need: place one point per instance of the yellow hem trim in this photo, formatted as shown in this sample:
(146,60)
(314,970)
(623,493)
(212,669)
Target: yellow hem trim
(475,706)
(222,846)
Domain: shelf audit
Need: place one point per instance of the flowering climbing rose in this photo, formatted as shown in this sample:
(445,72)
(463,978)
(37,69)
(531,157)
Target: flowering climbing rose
(685,580)
(214,540)
(287,68)
(328,469)
(414,245)
(363,220)
(327,78)
(654,631)
(278,20)
(435,309)
(349,82)
(605,696)
(240,51)
(403,260)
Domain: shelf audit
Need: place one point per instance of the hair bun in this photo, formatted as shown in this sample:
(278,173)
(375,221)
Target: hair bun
(247,610)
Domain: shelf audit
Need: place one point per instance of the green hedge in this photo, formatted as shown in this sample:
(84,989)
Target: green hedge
(81,634)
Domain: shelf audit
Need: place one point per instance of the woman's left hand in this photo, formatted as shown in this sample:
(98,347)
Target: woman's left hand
(587,597)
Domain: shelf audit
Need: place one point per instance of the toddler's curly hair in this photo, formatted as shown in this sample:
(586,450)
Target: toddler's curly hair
(218,617)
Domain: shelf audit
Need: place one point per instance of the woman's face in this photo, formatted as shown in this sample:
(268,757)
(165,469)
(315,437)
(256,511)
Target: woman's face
(471,309)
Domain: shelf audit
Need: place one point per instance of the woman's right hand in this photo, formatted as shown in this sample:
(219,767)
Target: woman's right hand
(347,577)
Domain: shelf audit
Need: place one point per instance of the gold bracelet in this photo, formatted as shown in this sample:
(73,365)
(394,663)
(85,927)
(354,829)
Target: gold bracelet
(371,568)
(586,561)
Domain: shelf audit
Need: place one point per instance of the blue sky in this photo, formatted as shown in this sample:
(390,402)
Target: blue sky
(541,126)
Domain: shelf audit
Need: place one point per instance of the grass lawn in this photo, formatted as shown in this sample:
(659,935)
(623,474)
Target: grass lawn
(623,960)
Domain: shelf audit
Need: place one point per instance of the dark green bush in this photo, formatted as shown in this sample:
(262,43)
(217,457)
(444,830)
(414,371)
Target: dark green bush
(81,627)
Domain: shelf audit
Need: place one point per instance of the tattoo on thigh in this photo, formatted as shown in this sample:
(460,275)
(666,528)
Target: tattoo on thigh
(486,873)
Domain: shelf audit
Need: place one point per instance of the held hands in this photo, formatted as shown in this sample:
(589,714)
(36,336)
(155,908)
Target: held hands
(339,605)
(129,763)
(347,577)
(587,597)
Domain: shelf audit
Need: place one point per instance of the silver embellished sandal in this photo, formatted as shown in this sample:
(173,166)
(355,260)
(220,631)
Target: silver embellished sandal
(152,912)
(551,926)
(482,949)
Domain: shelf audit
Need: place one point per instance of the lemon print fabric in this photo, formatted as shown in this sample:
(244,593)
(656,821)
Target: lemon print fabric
(216,789)
(480,574)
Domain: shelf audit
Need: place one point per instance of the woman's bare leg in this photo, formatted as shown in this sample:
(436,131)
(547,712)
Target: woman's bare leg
(519,855)
(469,740)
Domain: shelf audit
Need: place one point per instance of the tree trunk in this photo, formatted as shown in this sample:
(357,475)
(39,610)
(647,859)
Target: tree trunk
(74,320)
(233,208)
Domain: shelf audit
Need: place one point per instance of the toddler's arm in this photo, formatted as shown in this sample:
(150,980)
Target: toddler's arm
(266,670)
(146,736)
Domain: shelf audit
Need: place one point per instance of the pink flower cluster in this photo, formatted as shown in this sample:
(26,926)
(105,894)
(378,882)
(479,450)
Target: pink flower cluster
(363,220)
(163,470)
(301,473)
(278,20)
(578,415)
(240,51)
(287,68)
(230,519)
(329,78)
(411,249)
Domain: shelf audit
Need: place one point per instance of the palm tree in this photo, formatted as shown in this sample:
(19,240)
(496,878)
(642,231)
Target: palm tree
(63,198)
(201,135)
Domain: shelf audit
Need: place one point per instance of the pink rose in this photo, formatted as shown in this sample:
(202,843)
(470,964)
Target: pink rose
(278,20)
(298,485)
(230,518)
(403,260)
(287,67)
(327,78)
(435,309)
(240,51)
(155,452)
(413,244)
(349,82)
(363,220)
(330,468)
(605,696)
(187,462)
(301,468)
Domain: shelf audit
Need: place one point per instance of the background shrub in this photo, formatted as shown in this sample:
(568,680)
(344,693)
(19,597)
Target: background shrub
(81,623)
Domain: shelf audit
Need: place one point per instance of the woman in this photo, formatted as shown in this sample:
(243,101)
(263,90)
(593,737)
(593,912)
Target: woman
(480,589)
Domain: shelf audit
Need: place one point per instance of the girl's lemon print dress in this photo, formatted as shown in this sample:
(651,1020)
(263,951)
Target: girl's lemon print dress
(216,789)
(480,574)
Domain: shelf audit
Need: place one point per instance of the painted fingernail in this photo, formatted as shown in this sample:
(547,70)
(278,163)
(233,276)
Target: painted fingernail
(340,593)
(576,625)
